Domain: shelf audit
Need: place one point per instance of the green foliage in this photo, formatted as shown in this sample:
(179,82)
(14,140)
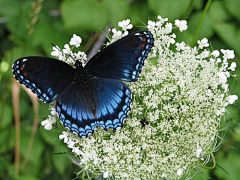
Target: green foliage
(84,15)
(171,9)
(230,164)
(206,29)
(29,27)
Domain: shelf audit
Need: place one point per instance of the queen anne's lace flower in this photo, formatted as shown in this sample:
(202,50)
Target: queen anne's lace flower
(231,99)
(67,49)
(203,43)
(57,53)
(182,25)
(75,41)
(64,136)
(117,34)
(228,54)
(48,122)
(125,25)
(182,93)
(215,53)
(233,66)
(105,174)
(179,172)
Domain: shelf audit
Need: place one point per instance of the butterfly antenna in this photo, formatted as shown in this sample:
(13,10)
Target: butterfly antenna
(55,46)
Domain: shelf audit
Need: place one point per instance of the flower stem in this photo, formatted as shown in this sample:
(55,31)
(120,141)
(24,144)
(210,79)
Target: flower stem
(200,22)
(214,163)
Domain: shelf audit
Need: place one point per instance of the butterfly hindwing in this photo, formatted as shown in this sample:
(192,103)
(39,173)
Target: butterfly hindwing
(105,105)
(123,59)
(46,77)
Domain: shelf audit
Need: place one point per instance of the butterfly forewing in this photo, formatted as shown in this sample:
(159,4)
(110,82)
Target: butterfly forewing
(46,77)
(122,60)
(107,107)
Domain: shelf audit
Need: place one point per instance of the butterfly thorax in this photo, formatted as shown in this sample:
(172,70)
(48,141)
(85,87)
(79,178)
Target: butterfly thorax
(83,78)
(82,75)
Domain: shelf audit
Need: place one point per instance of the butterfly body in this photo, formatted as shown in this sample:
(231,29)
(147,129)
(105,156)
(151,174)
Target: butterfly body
(93,95)
(83,78)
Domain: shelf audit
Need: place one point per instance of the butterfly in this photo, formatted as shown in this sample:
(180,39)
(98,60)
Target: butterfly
(93,95)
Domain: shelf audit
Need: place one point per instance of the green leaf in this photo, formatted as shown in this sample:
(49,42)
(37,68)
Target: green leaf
(7,139)
(206,29)
(51,136)
(51,35)
(233,7)
(230,164)
(60,161)
(9,8)
(4,163)
(198,5)
(7,116)
(236,133)
(28,177)
(217,12)
(17,15)
(117,10)
(84,15)
(37,148)
(139,16)
(25,110)
(232,113)
(172,9)
(229,33)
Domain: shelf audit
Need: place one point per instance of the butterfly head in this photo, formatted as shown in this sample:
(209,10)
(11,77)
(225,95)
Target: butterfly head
(81,74)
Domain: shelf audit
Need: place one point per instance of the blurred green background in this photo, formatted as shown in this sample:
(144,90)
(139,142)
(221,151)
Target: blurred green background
(29,27)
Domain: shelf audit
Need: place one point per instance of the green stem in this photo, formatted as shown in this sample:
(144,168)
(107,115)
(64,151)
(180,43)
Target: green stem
(200,22)
(214,163)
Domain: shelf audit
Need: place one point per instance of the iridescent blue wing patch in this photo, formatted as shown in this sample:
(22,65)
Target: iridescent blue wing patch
(104,103)
(46,77)
(123,59)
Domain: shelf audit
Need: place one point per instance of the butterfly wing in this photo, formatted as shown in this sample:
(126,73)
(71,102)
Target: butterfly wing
(46,77)
(105,104)
(123,59)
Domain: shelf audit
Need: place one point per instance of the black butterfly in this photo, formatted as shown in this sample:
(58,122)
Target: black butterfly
(93,95)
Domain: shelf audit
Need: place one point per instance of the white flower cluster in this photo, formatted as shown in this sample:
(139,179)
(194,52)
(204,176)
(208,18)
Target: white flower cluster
(117,34)
(182,25)
(51,119)
(182,94)
(67,55)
